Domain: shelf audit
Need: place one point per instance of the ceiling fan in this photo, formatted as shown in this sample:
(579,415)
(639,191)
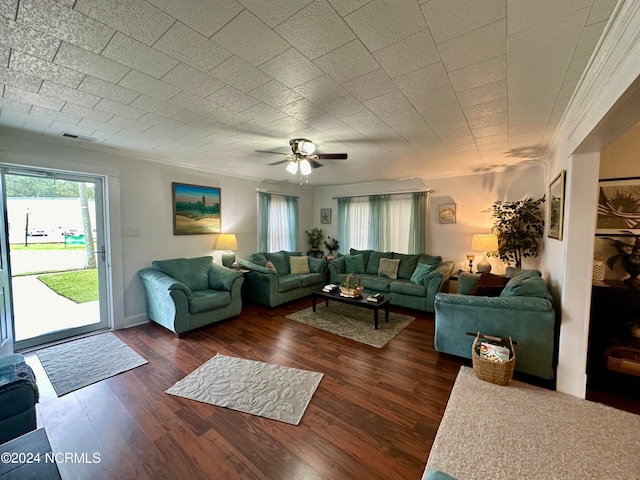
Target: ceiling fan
(303,159)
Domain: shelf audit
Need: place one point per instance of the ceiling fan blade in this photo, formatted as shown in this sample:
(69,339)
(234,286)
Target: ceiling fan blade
(278,163)
(270,151)
(313,163)
(332,156)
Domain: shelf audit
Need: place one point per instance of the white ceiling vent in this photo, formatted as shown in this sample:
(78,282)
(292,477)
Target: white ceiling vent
(79,137)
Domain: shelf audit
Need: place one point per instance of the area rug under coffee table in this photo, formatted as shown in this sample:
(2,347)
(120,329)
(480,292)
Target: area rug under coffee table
(352,322)
(78,363)
(258,388)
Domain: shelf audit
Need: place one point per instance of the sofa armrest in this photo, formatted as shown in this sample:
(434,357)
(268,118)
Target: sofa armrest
(222,278)
(249,265)
(439,275)
(162,281)
(512,303)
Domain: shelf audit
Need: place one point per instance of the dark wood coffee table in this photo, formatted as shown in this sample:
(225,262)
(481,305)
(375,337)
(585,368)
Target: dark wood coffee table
(360,301)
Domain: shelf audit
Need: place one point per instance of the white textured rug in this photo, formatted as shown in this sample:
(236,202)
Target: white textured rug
(258,388)
(78,363)
(525,432)
(353,322)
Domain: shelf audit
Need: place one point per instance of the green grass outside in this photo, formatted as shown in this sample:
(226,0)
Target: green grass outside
(45,246)
(79,286)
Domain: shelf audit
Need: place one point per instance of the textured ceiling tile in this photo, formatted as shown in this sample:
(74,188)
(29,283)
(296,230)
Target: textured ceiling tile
(302,109)
(250,39)
(451,18)
(263,113)
(590,36)
(8,8)
(159,121)
(316,30)
(407,55)
(233,98)
(20,95)
(193,102)
(601,11)
(148,85)
(192,80)
(77,58)
(204,16)
(321,90)
(288,125)
(191,47)
(67,94)
(281,69)
(479,74)
(136,18)
(20,80)
(98,126)
(344,106)
(28,40)
(64,23)
(381,23)
(427,78)
(241,74)
(370,85)
(274,12)
(137,55)
(14,105)
(192,118)
(483,94)
(155,106)
(275,94)
(43,69)
(107,90)
(474,47)
(523,14)
(347,62)
(128,123)
(85,112)
(165,133)
(326,123)
(4,56)
(13,119)
(345,7)
(387,103)
(191,131)
(109,106)
(400,117)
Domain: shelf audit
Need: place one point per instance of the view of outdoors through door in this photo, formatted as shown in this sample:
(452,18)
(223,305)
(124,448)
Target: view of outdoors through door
(56,256)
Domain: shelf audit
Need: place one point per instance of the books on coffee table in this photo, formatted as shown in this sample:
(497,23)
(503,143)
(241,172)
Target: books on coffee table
(330,288)
(375,297)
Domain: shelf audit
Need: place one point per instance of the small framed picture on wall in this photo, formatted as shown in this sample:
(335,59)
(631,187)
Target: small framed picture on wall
(447,213)
(325,215)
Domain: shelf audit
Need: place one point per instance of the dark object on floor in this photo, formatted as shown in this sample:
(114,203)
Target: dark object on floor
(33,458)
(18,397)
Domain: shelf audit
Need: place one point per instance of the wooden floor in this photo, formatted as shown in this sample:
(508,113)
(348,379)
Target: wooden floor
(374,415)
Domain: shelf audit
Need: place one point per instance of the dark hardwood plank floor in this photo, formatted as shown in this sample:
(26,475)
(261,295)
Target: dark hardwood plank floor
(374,415)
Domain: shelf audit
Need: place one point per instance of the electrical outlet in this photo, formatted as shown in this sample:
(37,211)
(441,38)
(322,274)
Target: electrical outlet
(135,231)
(127,231)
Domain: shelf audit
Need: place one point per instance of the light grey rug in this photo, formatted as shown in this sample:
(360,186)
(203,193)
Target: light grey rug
(526,432)
(258,388)
(78,363)
(352,322)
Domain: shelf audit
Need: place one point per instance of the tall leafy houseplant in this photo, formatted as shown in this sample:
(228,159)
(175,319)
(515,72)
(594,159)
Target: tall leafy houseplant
(314,236)
(519,227)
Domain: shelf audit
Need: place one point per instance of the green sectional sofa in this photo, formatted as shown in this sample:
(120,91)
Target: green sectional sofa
(418,277)
(522,311)
(187,293)
(282,283)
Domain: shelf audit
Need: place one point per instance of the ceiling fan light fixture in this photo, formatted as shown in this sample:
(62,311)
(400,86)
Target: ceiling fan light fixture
(305,167)
(292,168)
(306,147)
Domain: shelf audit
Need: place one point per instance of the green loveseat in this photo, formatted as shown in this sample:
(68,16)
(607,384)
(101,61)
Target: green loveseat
(187,293)
(523,311)
(278,285)
(418,294)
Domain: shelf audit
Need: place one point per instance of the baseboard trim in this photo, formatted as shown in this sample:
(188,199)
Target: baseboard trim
(135,320)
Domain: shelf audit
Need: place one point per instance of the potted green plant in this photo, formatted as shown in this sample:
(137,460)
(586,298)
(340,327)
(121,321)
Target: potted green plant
(519,226)
(315,237)
(332,245)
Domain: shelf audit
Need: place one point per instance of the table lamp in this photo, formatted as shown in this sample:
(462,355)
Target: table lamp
(484,242)
(227,242)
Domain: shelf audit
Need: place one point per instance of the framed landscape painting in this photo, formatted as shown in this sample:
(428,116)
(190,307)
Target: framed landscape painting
(618,206)
(555,208)
(196,209)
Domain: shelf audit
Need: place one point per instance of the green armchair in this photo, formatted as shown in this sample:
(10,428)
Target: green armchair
(188,293)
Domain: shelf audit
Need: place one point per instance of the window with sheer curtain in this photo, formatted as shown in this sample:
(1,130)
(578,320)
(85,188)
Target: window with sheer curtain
(392,223)
(277,222)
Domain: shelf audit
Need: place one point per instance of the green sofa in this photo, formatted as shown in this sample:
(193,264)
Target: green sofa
(273,287)
(523,311)
(18,397)
(418,294)
(188,293)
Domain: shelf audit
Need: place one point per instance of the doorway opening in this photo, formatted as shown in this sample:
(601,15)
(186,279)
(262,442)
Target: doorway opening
(57,255)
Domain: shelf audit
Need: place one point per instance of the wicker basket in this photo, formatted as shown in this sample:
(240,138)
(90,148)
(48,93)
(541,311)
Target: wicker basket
(500,373)
(351,291)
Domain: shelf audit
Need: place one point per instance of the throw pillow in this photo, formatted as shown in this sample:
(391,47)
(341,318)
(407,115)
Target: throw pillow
(280,261)
(373,265)
(354,263)
(271,266)
(421,272)
(299,265)
(388,268)
(489,285)
(528,287)
(433,474)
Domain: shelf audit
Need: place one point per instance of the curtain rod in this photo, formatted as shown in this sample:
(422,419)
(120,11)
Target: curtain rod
(427,190)
(260,190)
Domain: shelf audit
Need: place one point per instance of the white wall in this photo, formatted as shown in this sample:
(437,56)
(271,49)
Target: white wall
(471,193)
(140,196)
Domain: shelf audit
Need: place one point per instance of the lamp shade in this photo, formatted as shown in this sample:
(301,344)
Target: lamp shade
(292,167)
(226,241)
(305,167)
(484,242)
